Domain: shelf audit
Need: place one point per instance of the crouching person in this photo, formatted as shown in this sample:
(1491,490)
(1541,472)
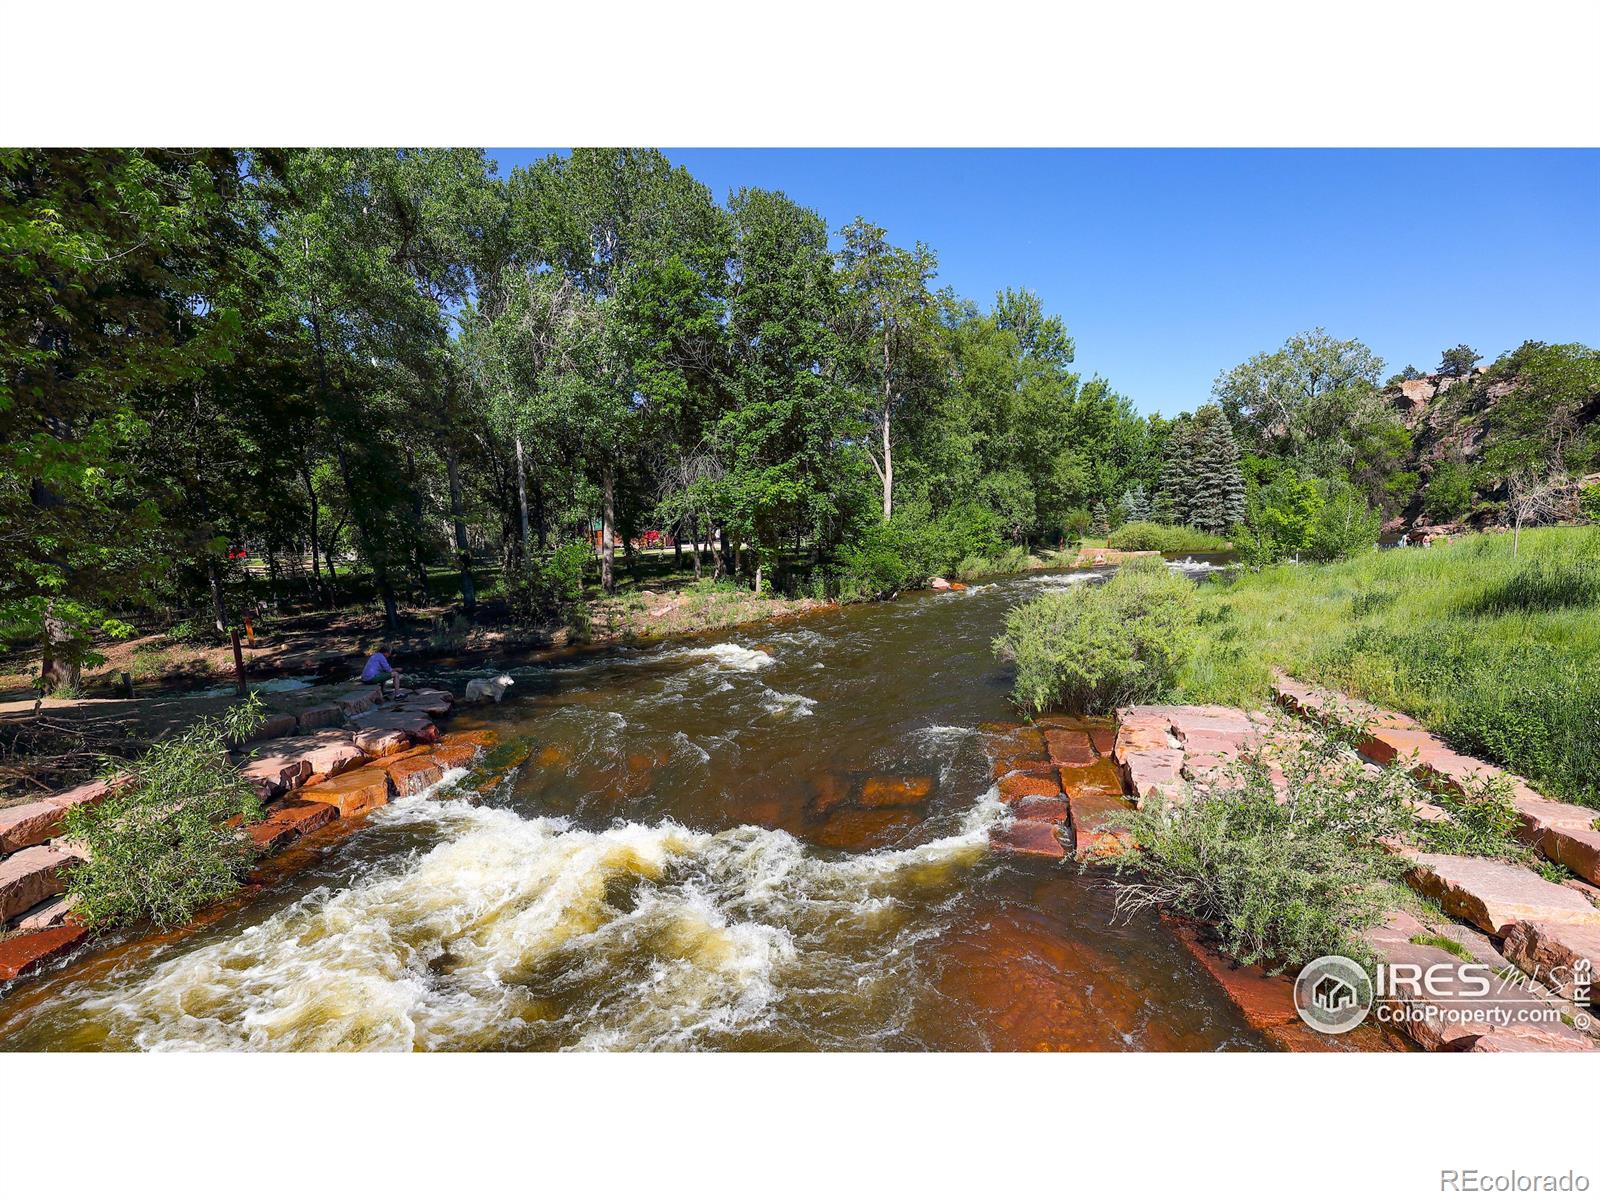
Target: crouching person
(380,671)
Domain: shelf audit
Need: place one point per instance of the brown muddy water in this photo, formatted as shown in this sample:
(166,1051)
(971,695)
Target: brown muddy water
(688,860)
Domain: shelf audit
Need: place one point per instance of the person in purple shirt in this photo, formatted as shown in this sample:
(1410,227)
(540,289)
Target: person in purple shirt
(379,671)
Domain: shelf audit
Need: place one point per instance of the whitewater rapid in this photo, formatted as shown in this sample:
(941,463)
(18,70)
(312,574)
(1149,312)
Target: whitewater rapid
(670,936)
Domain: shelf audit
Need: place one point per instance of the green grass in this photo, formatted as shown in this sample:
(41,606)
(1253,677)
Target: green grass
(1499,655)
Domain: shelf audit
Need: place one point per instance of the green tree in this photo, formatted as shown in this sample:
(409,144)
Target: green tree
(891,328)
(1458,361)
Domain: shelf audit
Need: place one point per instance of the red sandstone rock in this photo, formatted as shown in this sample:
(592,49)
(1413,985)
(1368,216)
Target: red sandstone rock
(1154,775)
(1043,781)
(274,725)
(1495,895)
(320,716)
(1100,778)
(29,950)
(352,793)
(1042,808)
(417,725)
(1560,957)
(829,790)
(360,699)
(450,754)
(1099,828)
(895,791)
(939,583)
(1103,740)
(35,823)
(376,743)
(46,915)
(1027,838)
(32,875)
(957,586)
(864,828)
(432,701)
(287,821)
(1445,1022)
(1069,747)
(412,775)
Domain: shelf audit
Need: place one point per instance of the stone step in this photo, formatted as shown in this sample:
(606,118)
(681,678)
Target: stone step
(1493,895)
(1526,1021)
(288,821)
(352,793)
(1562,957)
(1563,833)
(277,766)
(34,823)
(26,951)
(46,914)
(32,875)
(416,725)
(1027,838)
(434,702)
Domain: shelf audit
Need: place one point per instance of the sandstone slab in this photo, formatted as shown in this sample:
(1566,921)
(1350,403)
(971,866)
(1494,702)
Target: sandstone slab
(32,875)
(1042,808)
(376,743)
(416,725)
(1035,839)
(433,701)
(1494,896)
(35,823)
(46,915)
(412,775)
(1069,747)
(1099,825)
(1153,775)
(352,793)
(36,947)
(1042,781)
(1564,958)
(320,716)
(359,699)
(287,821)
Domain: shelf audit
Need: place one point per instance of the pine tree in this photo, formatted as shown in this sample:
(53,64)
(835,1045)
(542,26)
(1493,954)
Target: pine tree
(1102,523)
(1215,499)
(1135,503)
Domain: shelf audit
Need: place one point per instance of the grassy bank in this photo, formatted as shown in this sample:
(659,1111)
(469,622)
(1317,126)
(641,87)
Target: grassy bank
(1499,655)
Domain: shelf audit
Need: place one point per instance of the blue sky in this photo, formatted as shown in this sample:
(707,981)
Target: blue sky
(1171,265)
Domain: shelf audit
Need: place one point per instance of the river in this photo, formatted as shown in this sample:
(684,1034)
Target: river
(673,869)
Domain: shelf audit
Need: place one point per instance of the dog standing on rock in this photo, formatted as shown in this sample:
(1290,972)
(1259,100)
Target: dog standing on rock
(479,689)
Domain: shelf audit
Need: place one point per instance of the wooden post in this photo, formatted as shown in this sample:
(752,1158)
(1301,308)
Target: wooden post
(238,662)
(127,685)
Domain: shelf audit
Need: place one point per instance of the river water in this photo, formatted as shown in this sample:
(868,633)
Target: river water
(685,861)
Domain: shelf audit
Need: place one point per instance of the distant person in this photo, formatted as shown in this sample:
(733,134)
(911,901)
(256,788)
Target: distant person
(379,670)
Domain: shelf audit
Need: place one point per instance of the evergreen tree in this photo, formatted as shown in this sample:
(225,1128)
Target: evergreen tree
(1215,485)
(1135,503)
(1102,523)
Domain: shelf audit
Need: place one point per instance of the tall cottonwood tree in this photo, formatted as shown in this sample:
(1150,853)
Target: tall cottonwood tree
(891,326)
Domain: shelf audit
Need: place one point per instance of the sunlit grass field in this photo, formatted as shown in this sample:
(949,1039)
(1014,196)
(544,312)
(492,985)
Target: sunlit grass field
(1501,655)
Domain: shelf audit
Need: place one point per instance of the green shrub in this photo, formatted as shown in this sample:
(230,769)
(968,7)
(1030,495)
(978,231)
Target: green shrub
(1344,527)
(1284,882)
(1448,493)
(1090,649)
(158,847)
(1169,539)
(550,588)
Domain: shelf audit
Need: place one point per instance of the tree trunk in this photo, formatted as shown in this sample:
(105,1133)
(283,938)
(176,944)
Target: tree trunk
(888,454)
(694,544)
(316,537)
(60,666)
(469,593)
(219,606)
(608,520)
(419,564)
(522,498)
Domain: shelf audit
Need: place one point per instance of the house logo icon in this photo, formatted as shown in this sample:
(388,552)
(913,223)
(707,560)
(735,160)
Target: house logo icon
(1333,994)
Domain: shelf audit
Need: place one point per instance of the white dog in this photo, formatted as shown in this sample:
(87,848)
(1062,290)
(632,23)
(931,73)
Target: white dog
(477,689)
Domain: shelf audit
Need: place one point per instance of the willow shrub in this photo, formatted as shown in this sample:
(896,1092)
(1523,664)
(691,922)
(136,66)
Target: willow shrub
(1287,881)
(1170,539)
(1090,649)
(159,848)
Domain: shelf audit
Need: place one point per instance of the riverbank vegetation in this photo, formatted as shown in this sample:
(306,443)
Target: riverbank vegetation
(1169,539)
(1286,871)
(1091,649)
(1499,654)
(164,842)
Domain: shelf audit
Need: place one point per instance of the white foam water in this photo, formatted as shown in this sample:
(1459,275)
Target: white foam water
(732,656)
(788,704)
(518,932)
